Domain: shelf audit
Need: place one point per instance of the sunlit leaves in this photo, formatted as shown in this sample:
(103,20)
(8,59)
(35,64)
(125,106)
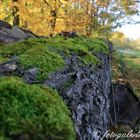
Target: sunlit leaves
(84,16)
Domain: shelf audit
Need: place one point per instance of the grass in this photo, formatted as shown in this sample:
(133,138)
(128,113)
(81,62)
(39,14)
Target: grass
(133,73)
(127,65)
(118,67)
(131,61)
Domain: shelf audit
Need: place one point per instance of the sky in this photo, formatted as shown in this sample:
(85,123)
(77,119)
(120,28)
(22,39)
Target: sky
(131,31)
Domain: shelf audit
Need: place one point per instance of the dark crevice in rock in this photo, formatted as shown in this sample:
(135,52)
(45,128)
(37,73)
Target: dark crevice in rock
(125,109)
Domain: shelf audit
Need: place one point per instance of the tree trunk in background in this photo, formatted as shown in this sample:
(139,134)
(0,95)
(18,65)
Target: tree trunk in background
(15,14)
(53,20)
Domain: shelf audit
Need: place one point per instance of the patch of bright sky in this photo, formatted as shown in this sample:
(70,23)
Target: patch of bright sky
(131,31)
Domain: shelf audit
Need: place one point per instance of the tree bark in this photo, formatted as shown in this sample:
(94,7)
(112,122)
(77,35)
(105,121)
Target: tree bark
(15,14)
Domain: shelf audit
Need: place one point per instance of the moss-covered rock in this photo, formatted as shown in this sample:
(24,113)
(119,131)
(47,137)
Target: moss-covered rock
(46,53)
(42,58)
(31,112)
(2,59)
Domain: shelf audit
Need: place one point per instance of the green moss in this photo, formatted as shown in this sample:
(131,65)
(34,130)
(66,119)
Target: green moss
(97,46)
(18,48)
(2,59)
(43,59)
(44,53)
(34,53)
(83,47)
(79,43)
(90,59)
(39,114)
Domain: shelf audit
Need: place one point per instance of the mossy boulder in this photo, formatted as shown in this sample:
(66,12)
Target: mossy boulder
(31,112)
(42,58)
(47,54)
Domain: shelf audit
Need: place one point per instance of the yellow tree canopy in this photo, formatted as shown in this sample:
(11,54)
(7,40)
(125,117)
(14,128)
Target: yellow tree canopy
(51,16)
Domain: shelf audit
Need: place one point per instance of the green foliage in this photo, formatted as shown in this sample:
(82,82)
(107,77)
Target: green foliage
(120,41)
(46,53)
(30,111)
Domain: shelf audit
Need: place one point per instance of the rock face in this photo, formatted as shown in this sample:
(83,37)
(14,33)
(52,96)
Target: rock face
(9,68)
(86,92)
(126,105)
(84,89)
(10,34)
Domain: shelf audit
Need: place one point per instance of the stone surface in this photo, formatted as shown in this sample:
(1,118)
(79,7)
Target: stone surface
(10,34)
(125,108)
(86,92)
(30,75)
(10,67)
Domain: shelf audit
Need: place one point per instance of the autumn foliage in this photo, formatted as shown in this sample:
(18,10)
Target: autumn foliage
(51,16)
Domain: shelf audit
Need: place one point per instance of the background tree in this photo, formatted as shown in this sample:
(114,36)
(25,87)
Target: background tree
(88,17)
(15,12)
